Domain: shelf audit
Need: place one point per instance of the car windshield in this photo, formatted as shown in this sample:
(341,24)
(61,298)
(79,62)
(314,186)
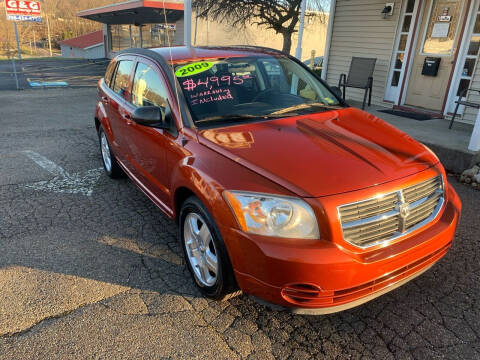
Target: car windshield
(240,89)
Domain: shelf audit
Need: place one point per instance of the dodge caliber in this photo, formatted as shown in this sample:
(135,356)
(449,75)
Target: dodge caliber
(280,189)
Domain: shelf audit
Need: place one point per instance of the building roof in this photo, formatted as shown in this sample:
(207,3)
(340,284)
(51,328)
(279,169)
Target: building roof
(85,41)
(136,12)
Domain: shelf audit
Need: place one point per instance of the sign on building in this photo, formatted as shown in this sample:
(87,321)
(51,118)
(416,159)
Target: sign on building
(23,10)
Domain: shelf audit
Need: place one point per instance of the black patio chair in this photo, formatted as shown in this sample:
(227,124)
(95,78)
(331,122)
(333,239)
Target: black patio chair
(360,76)
(465,103)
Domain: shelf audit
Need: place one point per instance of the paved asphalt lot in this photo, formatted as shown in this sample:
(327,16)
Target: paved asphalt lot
(101,276)
(76,72)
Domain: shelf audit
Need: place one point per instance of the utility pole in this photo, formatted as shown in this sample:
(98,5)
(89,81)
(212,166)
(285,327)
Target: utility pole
(298,52)
(18,41)
(49,40)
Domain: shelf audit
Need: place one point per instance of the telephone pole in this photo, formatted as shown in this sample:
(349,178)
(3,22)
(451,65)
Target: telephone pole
(49,39)
(18,41)
(298,52)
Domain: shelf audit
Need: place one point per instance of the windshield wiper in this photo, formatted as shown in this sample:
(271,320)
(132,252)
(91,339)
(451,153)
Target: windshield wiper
(230,117)
(304,106)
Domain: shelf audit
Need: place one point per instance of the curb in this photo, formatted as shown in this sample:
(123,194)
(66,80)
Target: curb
(455,161)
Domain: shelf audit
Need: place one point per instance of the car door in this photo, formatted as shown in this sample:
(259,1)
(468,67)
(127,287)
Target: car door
(118,105)
(149,147)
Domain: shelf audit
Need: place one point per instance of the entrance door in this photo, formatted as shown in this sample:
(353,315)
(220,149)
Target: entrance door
(467,60)
(439,38)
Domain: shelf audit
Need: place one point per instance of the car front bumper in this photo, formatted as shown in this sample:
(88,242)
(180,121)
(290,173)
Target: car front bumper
(322,277)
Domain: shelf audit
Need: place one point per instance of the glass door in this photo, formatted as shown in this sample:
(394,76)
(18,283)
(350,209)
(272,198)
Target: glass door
(467,60)
(403,43)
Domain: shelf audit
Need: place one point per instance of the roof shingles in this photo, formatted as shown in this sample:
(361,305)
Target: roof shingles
(85,41)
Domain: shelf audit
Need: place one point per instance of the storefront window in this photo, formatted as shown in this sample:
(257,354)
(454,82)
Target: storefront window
(476,29)
(410,6)
(442,27)
(145,36)
(403,42)
(120,37)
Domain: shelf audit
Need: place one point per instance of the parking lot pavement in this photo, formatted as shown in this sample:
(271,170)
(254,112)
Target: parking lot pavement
(102,276)
(74,72)
(7,76)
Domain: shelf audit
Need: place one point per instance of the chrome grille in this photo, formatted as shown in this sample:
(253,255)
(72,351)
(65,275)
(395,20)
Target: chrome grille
(384,218)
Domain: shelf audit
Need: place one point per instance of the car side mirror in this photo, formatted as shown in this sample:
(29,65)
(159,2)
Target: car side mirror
(152,116)
(336,90)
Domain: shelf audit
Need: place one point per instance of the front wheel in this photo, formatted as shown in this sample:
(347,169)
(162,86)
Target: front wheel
(205,252)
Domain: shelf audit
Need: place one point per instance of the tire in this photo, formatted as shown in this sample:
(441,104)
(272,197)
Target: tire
(109,161)
(201,246)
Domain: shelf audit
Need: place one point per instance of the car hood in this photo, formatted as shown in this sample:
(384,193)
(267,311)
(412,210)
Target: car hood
(322,154)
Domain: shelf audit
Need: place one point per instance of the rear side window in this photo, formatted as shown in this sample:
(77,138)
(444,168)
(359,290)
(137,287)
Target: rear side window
(109,73)
(120,84)
(148,87)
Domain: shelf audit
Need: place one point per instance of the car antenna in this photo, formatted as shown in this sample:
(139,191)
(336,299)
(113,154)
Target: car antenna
(171,63)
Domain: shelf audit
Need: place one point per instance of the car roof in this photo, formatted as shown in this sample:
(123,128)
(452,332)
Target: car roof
(184,53)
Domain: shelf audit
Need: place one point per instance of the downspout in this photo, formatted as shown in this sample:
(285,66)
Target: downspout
(331,16)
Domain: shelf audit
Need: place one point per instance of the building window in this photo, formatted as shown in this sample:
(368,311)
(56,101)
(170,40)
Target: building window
(471,57)
(144,36)
(120,37)
(442,27)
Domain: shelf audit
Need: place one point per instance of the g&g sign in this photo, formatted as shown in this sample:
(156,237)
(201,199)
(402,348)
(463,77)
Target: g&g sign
(23,10)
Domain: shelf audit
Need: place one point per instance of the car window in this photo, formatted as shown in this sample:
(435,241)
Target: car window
(275,74)
(148,87)
(109,73)
(237,89)
(120,84)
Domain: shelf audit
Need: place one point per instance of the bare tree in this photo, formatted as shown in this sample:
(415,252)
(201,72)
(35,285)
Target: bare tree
(280,15)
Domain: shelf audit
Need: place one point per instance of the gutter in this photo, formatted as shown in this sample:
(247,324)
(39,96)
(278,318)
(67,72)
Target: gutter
(333,5)
(95,45)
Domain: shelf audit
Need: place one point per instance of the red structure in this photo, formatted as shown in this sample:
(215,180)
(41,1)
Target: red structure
(138,23)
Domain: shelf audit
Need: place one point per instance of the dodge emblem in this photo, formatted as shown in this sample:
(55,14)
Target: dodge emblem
(404,210)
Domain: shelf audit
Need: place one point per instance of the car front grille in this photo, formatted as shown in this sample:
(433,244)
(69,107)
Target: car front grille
(387,217)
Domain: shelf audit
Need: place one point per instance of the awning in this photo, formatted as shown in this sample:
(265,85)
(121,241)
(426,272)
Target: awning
(136,12)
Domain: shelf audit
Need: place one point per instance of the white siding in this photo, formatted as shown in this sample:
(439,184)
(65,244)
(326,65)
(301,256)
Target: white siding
(360,30)
(97,52)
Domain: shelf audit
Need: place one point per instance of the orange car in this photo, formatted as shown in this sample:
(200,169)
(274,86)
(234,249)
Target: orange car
(280,189)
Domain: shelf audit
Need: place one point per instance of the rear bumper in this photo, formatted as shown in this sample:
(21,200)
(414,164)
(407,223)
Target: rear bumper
(322,277)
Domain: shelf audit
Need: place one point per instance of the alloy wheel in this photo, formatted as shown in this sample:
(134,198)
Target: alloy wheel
(200,248)
(107,160)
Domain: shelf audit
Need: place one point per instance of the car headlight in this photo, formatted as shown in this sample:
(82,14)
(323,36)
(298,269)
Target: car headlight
(272,215)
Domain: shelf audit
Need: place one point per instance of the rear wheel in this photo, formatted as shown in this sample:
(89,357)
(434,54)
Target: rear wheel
(109,162)
(205,252)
